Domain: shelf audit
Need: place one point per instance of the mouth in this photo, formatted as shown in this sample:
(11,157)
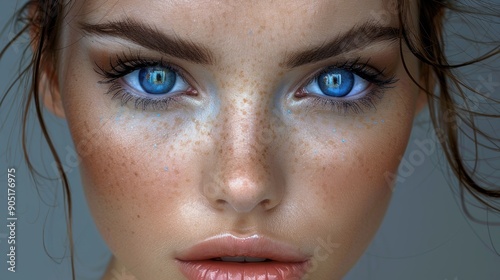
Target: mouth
(241,259)
(227,257)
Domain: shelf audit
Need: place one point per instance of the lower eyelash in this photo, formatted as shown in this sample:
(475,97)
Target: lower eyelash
(143,103)
(345,107)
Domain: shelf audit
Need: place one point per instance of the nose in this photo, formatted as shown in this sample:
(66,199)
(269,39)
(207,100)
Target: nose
(245,174)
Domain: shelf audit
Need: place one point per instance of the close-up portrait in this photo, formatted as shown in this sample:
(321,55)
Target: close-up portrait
(250,140)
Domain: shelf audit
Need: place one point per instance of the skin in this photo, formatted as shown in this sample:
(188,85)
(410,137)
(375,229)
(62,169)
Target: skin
(244,155)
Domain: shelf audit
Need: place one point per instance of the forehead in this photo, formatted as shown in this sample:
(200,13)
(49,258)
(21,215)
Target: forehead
(300,22)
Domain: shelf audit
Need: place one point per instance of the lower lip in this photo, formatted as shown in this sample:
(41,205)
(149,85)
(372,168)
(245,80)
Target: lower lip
(217,270)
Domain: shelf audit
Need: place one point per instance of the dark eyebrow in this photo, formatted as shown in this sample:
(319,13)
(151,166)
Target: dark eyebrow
(358,37)
(151,38)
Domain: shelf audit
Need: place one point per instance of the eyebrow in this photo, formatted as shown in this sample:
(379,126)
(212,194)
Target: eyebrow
(151,38)
(358,37)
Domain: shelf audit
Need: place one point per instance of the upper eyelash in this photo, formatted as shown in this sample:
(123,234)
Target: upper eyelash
(364,70)
(123,67)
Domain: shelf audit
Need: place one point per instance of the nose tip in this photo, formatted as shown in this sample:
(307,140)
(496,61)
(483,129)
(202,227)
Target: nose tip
(243,193)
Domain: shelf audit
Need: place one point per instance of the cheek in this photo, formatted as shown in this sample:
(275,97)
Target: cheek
(352,181)
(135,180)
(342,174)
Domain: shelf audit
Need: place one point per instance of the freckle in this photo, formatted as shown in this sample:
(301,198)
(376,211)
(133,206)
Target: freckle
(178,121)
(136,174)
(138,216)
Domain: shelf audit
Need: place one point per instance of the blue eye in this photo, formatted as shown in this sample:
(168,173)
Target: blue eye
(156,80)
(337,82)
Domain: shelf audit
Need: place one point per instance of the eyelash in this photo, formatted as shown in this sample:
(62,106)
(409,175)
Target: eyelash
(378,80)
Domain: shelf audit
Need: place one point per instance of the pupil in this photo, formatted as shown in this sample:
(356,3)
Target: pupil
(157,80)
(159,77)
(333,80)
(336,82)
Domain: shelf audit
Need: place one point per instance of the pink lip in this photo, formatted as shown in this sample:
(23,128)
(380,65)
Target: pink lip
(197,262)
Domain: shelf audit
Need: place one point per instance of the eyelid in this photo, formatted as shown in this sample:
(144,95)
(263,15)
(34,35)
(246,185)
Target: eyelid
(354,65)
(124,65)
(378,81)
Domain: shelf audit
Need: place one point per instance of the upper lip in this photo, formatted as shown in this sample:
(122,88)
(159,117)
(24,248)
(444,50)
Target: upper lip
(255,246)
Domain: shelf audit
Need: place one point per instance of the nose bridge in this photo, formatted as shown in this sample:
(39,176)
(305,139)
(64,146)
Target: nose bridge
(243,178)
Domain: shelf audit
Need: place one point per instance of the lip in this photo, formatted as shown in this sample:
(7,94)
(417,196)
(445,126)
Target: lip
(286,261)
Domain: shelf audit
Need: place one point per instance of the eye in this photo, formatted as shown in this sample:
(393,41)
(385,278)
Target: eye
(156,81)
(337,82)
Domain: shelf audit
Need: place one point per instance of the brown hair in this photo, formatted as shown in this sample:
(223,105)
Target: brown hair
(447,116)
(43,19)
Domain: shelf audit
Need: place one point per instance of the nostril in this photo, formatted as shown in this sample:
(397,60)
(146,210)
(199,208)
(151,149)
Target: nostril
(219,204)
(265,203)
(220,201)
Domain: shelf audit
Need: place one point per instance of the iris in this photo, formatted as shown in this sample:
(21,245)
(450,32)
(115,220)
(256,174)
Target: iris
(157,80)
(336,82)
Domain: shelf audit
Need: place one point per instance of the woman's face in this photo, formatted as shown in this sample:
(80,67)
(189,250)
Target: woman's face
(213,129)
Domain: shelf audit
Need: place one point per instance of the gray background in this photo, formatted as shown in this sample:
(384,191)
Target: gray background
(425,234)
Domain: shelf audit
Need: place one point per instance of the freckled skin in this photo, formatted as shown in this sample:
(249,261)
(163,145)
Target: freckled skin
(244,156)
